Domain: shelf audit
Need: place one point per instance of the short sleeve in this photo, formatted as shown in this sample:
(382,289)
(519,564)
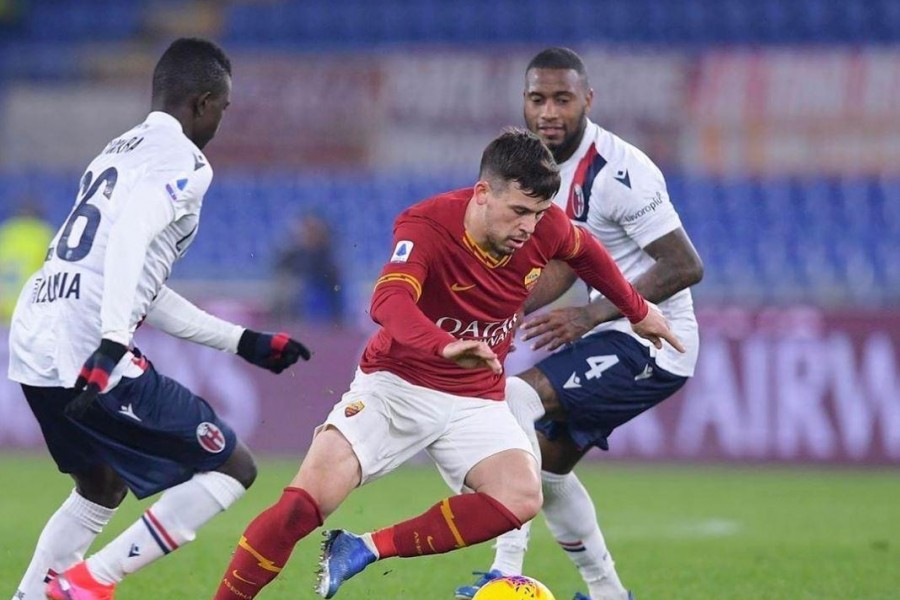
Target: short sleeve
(636,198)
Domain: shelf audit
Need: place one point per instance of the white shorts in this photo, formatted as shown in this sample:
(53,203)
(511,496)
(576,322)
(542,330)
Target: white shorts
(388,420)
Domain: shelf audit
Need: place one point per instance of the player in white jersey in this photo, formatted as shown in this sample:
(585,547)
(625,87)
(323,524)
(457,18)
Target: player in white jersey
(603,375)
(109,418)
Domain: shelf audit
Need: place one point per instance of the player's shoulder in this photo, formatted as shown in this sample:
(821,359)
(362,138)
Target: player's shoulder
(554,222)
(157,145)
(170,149)
(626,163)
(442,211)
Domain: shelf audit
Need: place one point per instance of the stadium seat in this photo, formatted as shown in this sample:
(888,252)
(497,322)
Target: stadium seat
(758,237)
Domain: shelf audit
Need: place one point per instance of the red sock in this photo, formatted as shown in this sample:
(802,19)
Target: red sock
(267,544)
(456,522)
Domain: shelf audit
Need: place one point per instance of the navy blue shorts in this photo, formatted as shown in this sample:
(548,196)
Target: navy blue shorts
(151,429)
(602,381)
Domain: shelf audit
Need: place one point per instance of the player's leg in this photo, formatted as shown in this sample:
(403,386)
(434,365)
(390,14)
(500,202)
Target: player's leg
(359,442)
(572,519)
(506,494)
(479,445)
(327,475)
(530,397)
(174,519)
(601,382)
(98,491)
(482,449)
(159,437)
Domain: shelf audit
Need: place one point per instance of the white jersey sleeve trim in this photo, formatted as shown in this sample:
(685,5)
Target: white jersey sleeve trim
(177,316)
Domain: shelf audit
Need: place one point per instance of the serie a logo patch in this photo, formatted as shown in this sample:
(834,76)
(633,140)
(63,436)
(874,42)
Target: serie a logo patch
(402,251)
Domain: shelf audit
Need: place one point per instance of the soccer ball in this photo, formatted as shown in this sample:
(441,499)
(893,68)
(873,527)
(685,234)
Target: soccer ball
(517,587)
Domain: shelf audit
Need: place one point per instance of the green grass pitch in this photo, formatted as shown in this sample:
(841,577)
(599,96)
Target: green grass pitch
(677,533)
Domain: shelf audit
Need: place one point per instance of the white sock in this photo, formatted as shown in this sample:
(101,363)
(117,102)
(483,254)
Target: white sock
(510,550)
(525,405)
(370,544)
(65,538)
(572,519)
(171,522)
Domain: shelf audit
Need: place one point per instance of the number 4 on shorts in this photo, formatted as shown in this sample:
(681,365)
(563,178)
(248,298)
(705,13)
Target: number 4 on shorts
(599,364)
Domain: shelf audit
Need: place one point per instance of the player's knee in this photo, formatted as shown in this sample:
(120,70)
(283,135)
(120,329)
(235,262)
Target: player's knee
(248,474)
(115,495)
(103,487)
(527,504)
(110,497)
(524,499)
(241,466)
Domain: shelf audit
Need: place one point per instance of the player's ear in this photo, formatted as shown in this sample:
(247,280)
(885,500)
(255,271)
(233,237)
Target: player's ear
(482,191)
(201,104)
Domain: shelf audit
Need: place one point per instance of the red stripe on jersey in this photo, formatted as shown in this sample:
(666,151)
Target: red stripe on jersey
(575,205)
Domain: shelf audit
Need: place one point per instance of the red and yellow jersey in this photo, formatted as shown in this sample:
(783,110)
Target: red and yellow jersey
(439,286)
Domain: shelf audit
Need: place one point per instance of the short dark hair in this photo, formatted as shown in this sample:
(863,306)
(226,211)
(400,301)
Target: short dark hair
(190,67)
(558,58)
(519,155)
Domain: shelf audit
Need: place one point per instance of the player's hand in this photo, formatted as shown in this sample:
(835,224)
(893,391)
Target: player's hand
(520,316)
(655,328)
(273,351)
(472,354)
(94,376)
(557,327)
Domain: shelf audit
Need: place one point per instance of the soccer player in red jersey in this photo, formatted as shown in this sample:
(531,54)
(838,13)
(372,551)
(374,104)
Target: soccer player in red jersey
(603,375)
(432,378)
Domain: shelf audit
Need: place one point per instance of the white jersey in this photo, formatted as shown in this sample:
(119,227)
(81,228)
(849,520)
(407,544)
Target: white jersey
(617,192)
(136,212)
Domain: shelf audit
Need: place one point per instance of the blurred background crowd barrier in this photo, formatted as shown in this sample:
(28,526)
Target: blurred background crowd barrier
(776,123)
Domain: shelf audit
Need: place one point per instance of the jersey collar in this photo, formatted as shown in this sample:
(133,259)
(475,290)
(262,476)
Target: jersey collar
(586,139)
(164,119)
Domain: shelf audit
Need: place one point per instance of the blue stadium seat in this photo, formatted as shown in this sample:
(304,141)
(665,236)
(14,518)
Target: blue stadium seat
(761,239)
(355,23)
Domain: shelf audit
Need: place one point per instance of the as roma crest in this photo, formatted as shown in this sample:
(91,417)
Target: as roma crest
(353,408)
(532,277)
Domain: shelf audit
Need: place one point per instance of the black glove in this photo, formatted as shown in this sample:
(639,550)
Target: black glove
(272,351)
(94,376)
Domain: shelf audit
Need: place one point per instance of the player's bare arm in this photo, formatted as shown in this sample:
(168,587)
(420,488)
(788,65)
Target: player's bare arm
(556,279)
(678,266)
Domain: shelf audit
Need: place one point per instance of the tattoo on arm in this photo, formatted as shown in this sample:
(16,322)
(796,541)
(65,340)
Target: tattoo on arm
(677,267)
